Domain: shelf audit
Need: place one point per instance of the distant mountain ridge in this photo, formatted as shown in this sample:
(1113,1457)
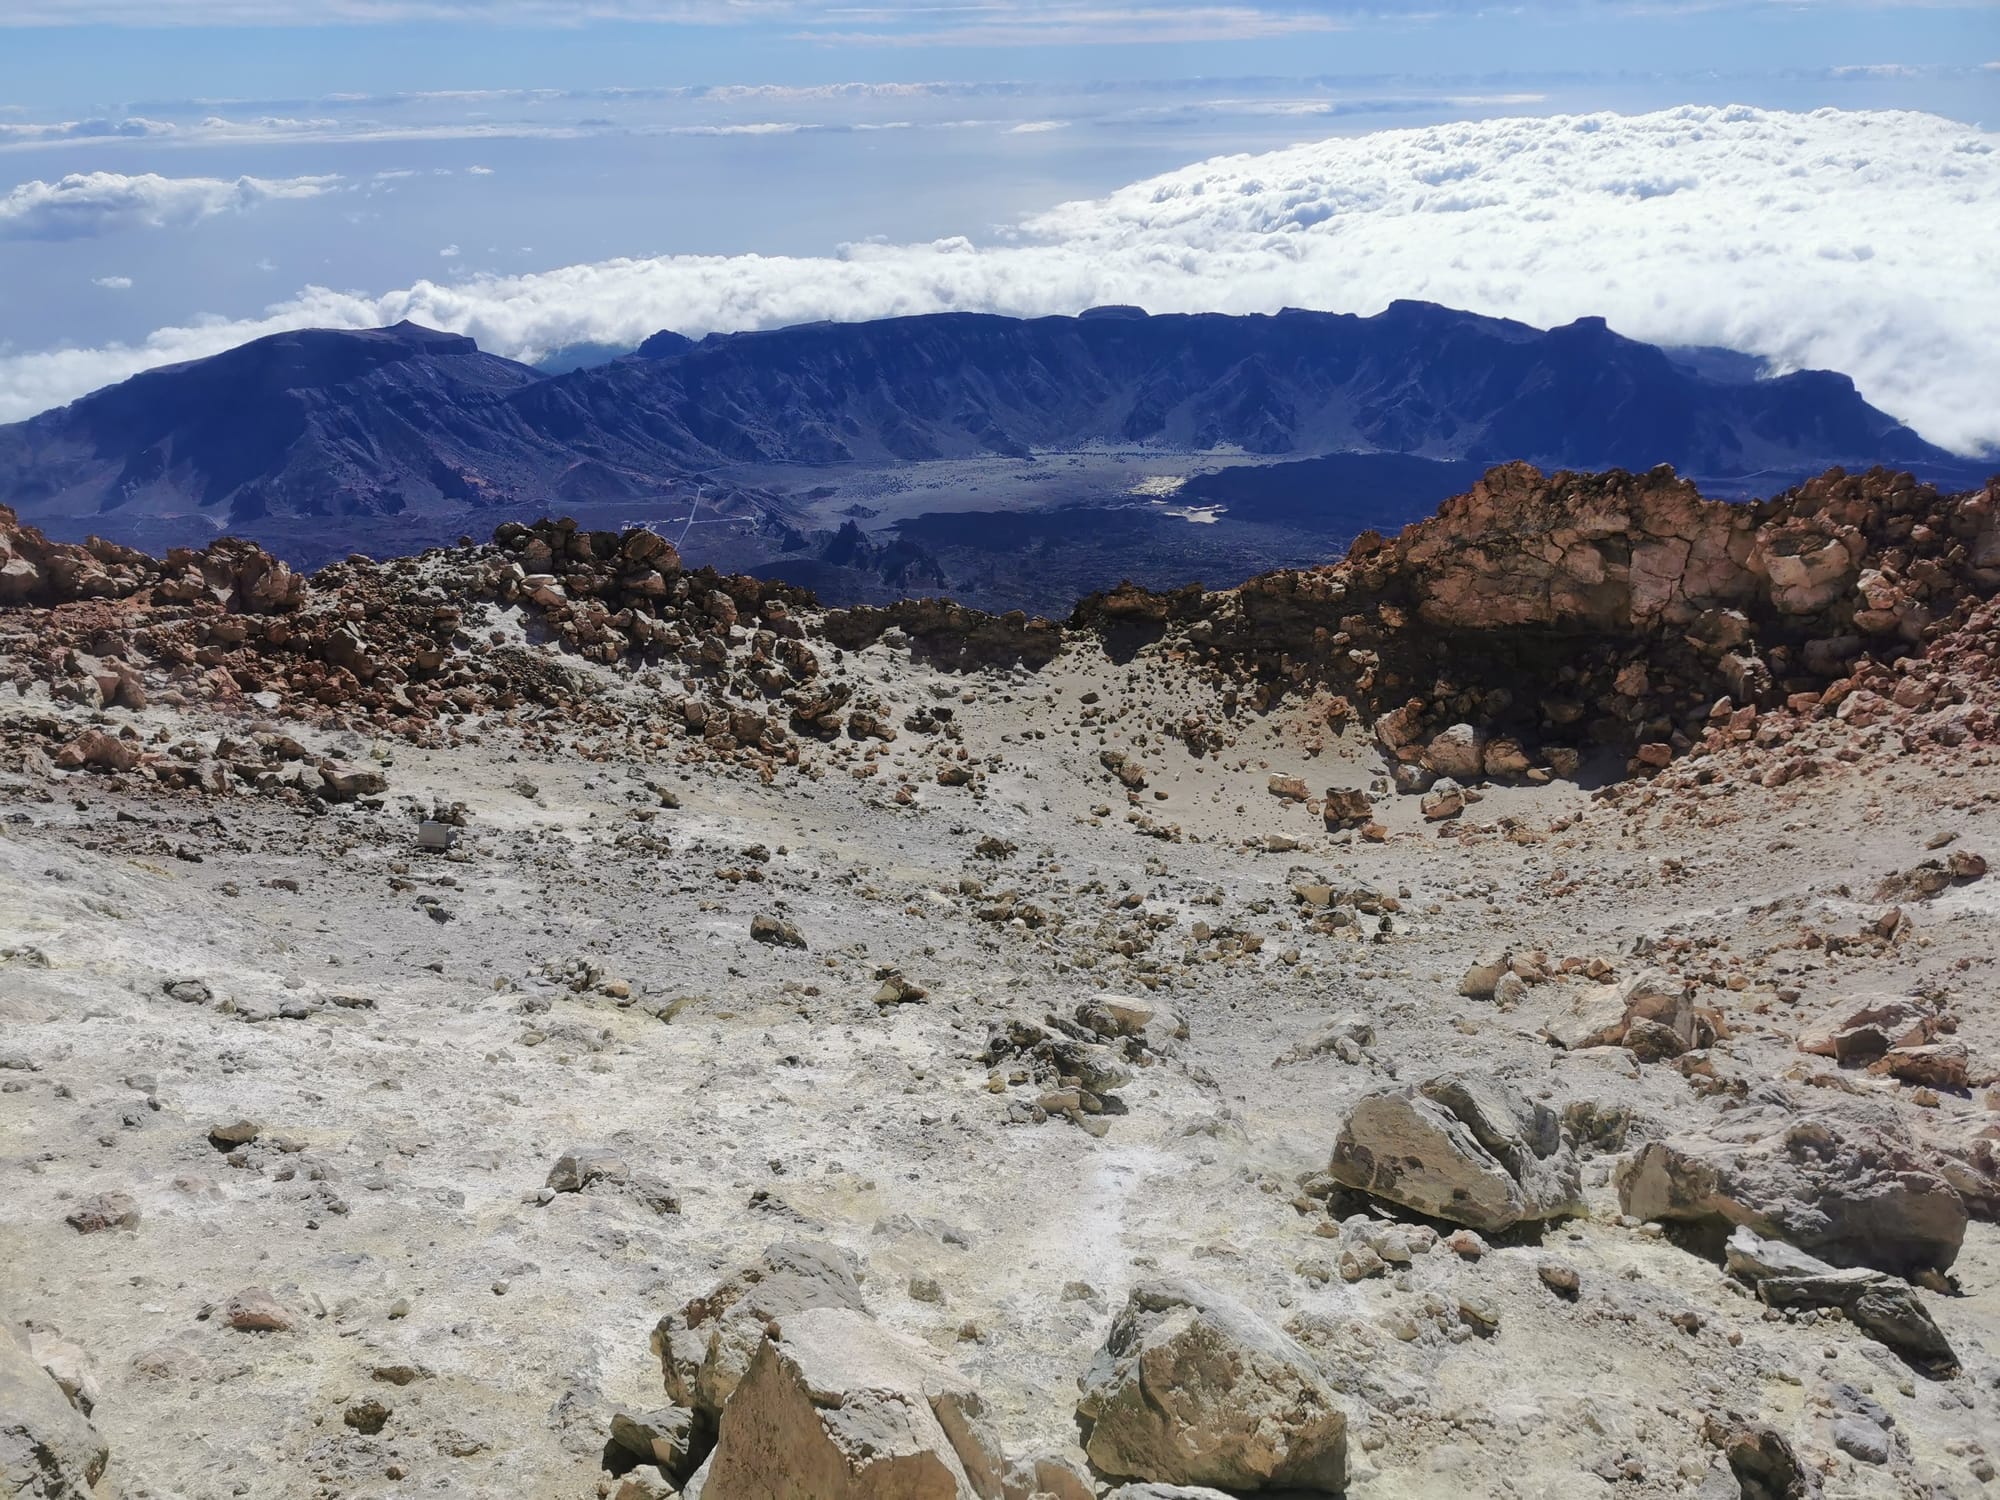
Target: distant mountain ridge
(406,421)
(316,422)
(1416,378)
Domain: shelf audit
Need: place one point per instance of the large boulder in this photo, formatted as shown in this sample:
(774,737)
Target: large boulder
(1137,1017)
(1485,973)
(1964,1149)
(837,1408)
(663,1438)
(706,1347)
(48,1450)
(1762,1460)
(1606,1015)
(1807,572)
(1863,1027)
(1850,1193)
(1192,1388)
(1459,752)
(1462,1147)
(67,1365)
(1345,805)
(1937,1065)
(1880,1305)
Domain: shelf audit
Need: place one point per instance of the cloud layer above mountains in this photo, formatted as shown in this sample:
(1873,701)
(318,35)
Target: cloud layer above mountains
(1855,241)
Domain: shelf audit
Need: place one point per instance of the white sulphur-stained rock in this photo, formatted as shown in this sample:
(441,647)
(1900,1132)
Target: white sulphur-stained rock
(838,1408)
(1750,1257)
(47,1448)
(1192,1388)
(68,1366)
(1603,1015)
(706,1347)
(1132,1013)
(1057,1475)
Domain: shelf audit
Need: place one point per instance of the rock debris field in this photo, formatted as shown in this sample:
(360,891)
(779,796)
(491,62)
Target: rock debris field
(1511,1013)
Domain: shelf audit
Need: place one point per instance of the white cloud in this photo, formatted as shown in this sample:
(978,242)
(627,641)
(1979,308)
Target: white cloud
(479,171)
(1012,24)
(894,22)
(450,252)
(281,131)
(1854,241)
(902,22)
(218,130)
(113,283)
(31,134)
(85,204)
(1065,25)
(477,116)
(748,127)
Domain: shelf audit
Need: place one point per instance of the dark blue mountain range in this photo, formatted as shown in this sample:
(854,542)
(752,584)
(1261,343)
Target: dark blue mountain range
(335,427)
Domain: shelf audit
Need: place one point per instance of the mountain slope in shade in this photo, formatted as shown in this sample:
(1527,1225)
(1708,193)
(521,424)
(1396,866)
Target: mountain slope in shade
(405,422)
(1416,379)
(312,423)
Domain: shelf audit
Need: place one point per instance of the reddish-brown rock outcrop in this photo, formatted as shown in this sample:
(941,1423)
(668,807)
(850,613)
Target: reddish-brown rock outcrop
(1531,618)
(1615,609)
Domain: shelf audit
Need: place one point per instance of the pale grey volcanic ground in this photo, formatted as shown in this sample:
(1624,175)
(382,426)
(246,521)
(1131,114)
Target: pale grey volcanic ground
(402,1028)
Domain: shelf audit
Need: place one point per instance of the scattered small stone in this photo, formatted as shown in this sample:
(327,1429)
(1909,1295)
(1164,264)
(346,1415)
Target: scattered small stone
(227,1135)
(255,1310)
(581,1166)
(1559,1277)
(104,1211)
(776,931)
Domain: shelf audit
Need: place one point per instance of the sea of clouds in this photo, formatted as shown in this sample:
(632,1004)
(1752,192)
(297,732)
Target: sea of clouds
(1857,241)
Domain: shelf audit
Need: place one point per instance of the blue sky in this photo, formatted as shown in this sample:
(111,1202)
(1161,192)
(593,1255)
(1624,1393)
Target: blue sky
(175,162)
(105,53)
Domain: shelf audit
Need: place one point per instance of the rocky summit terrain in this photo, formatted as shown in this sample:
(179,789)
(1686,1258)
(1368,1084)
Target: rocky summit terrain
(1511,1013)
